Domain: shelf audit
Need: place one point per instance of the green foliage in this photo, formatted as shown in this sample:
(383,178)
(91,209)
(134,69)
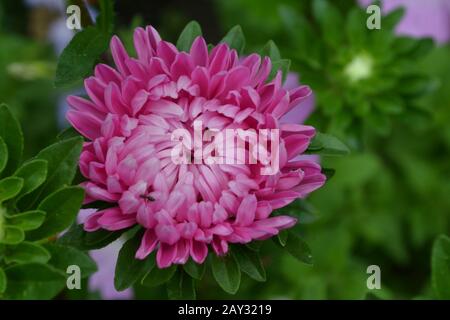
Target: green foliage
(3,281)
(250,263)
(327,145)
(10,187)
(156,276)
(440,267)
(29,220)
(181,287)
(11,235)
(298,248)
(33,281)
(227,273)
(271,50)
(282,65)
(62,159)
(235,39)
(328,17)
(3,155)
(78,238)
(105,20)
(278,64)
(12,136)
(188,35)
(61,208)
(78,58)
(194,269)
(354,72)
(128,268)
(388,199)
(64,256)
(33,173)
(26,252)
(27,270)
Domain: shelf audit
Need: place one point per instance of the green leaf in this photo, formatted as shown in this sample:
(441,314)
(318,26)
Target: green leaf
(12,136)
(3,281)
(128,268)
(413,48)
(68,133)
(188,35)
(78,58)
(330,21)
(235,39)
(26,252)
(302,210)
(390,20)
(304,37)
(226,272)
(440,267)
(10,187)
(327,145)
(194,269)
(62,158)
(331,102)
(254,245)
(356,27)
(33,174)
(282,237)
(61,207)
(11,235)
(283,65)
(306,213)
(77,237)
(105,20)
(83,240)
(157,276)
(26,221)
(298,248)
(415,85)
(422,48)
(64,256)
(181,287)
(271,50)
(249,262)
(389,104)
(328,172)
(3,154)
(33,281)
(379,123)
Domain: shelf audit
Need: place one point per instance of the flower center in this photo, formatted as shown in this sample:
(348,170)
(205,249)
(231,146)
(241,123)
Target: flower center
(360,68)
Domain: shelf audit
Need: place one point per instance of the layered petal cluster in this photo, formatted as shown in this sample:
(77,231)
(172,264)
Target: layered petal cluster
(187,209)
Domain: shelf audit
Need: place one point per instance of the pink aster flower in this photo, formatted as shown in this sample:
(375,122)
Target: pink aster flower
(301,112)
(187,208)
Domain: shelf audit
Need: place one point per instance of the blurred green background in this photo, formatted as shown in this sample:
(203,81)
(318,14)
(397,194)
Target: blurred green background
(388,200)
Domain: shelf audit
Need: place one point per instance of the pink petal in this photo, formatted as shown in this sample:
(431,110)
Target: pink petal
(199,251)
(148,244)
(166,255)
(119,55)
(199,52)
(246,212)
